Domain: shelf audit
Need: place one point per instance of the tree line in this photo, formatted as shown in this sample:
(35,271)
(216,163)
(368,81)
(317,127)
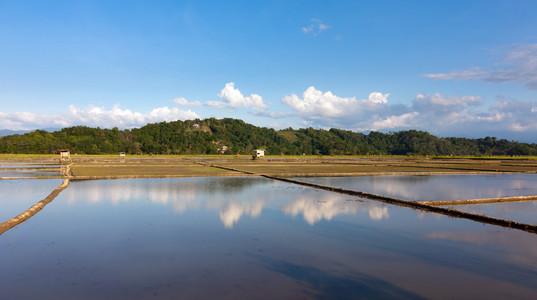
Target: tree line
(209,136)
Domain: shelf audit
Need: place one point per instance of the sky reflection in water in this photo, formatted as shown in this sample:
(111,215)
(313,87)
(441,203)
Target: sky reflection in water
(16,196)
(254,238)
(451,187)
(218,194)
(437,187)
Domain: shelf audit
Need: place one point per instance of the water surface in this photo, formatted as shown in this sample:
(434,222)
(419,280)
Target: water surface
(16,196)
(29,170)
(248,237)
(437,187)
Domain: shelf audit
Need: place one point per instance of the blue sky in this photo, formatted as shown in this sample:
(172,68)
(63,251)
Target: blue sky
(453,68)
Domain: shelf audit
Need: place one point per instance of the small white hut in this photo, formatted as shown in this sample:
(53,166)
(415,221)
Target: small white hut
(259,152)
(65,155)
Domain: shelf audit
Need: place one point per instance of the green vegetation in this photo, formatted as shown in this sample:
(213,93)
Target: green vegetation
(209,136)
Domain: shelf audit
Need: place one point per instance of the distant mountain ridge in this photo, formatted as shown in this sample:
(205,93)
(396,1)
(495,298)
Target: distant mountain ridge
(4,132)
(233,136)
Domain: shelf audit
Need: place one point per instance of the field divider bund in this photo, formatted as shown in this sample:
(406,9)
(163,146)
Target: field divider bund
(417,205)
(30,212)
(421,205)
(482,201)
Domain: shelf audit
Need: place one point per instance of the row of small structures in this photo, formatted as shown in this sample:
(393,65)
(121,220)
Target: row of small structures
(65,155)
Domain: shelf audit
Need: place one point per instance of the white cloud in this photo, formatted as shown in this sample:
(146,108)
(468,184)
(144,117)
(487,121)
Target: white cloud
(315,28)
(472,74)
(182,101)
(377,97)
(431,113)
(92,116)
(402,121)
(521,66)
(460,116)
(315,104)
(438,114)
(438,100)
(513,114)
(235,98)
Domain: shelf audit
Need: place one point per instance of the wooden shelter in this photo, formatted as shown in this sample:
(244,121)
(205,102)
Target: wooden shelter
(64,154)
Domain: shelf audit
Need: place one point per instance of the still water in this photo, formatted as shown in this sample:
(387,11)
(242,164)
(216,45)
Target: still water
(437,187)
(17,196)
(28,170)
(247,237)
(451,187)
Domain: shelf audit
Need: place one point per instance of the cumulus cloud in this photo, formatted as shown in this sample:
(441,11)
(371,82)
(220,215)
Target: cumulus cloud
(315,104)
(183,102)
(92,116)
(431,113)
(463,116)
(516,115)
(234,98)
(439,114)
(315,28)
(377,97)
(519,65)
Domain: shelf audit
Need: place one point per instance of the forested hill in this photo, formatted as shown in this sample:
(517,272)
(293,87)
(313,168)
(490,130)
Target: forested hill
(209,136)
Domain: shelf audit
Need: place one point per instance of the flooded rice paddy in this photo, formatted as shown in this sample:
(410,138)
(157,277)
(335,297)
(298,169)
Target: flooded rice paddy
(450,188)
(11,170)
(437,187)
(253,237)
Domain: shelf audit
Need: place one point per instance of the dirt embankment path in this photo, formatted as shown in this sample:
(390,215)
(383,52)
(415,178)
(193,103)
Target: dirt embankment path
(482,201)
(30,212)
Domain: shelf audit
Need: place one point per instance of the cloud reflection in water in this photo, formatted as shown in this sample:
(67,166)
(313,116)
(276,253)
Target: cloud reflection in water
(330,205)
(233,211)
(220,194)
